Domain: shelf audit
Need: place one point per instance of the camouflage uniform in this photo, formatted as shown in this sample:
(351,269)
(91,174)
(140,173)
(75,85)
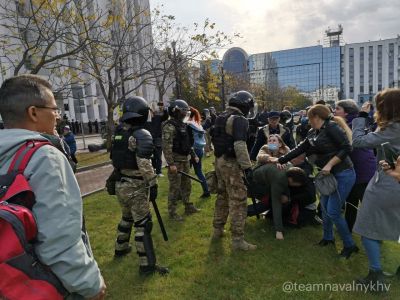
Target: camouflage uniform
(232,196)
(179,186)
(132,194)
(232,191)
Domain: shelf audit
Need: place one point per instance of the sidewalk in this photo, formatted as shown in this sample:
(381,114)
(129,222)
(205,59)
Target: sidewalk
(92,180)
(80,136)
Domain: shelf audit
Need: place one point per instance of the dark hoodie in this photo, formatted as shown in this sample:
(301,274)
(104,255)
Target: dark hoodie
(363,159)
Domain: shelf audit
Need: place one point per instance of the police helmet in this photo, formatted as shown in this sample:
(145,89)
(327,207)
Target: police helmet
(242,100)
(178,108)
(286,116)
(135,109)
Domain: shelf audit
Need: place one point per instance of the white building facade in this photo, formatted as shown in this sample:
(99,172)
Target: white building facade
(83,100)
(370,67)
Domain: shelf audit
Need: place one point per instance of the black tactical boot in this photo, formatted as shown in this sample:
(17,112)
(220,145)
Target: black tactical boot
(149,270)
(121,253)
(191,209)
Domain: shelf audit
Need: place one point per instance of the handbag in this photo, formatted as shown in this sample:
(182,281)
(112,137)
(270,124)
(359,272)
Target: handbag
(325,183)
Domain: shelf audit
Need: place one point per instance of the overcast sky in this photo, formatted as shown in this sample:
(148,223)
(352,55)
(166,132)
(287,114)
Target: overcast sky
(269,25)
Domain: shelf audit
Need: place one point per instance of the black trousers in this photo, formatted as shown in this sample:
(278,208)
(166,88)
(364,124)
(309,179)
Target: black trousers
(73,157)
(352,201)
(156,159)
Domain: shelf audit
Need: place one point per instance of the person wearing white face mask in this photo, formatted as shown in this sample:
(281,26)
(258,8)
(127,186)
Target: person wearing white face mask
(276,147)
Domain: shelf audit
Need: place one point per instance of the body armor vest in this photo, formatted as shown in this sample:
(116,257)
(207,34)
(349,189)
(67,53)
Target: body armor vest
(223,142)
(121,156)
(183,141)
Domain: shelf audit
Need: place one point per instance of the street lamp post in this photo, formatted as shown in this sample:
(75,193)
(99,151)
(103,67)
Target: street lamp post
(223,87)
(80,118)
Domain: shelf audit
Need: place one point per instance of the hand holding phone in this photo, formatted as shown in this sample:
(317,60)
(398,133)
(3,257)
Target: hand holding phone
(390,155)
(366,107)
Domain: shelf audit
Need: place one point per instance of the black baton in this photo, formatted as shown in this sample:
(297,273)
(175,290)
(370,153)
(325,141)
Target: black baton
(190,176)
(159,219)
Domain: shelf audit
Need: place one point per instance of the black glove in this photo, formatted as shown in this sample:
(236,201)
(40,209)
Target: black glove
(248,181)
(248,176)
(153,192)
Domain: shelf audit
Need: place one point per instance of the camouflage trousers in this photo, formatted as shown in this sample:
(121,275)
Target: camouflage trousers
(135,208)
(208,147)
(180,187)
(232,196)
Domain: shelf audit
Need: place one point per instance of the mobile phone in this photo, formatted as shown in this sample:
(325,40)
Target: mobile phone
(160,104)
(389,154)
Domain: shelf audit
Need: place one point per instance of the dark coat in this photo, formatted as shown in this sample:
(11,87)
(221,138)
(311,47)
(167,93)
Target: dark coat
(379,215)
(363,159)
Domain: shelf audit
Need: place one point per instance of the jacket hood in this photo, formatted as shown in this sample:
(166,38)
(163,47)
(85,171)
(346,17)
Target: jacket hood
(12,139)
(195,126)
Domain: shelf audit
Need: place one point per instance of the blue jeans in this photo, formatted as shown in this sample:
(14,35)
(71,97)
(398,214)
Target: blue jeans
(198,170)
(332,208)
(373,249)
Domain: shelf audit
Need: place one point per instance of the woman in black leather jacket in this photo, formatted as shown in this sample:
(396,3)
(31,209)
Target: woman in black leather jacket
(328,147)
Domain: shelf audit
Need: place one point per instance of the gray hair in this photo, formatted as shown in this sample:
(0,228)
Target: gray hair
(20,92)
(349,106)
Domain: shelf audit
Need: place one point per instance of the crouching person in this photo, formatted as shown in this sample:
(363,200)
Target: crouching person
(275,184)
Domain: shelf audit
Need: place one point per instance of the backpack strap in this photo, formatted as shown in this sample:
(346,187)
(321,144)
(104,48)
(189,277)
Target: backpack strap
(24,154)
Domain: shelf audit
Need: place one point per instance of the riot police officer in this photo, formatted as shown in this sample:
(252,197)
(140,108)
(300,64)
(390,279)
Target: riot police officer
(232,166)
(131,152)
(177,141)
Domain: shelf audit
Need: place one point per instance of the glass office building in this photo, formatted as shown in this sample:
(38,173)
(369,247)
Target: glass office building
(309,69)
(235,61)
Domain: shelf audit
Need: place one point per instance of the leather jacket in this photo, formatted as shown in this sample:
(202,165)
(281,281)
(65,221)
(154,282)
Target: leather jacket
(322,145)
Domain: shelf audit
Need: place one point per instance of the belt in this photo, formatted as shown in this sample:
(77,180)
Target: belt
(133,177)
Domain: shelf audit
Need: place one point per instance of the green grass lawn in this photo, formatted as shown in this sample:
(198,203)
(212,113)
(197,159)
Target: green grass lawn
(202,269)
(91,158)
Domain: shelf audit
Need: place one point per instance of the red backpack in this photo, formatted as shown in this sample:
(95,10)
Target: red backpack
(22,276)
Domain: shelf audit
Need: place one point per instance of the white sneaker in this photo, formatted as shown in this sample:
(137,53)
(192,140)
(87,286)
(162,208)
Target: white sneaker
(160,175)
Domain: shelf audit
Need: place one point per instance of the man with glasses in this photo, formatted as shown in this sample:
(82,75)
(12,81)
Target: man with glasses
(28,109)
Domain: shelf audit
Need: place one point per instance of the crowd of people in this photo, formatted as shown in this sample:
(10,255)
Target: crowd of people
(353,153)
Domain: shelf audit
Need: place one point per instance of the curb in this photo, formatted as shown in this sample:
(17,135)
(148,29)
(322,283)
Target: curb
(91,167)
(92,192)
(87,136)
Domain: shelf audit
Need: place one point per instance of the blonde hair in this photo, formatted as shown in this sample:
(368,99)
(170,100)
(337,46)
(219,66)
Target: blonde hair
(323,112)
(283,149)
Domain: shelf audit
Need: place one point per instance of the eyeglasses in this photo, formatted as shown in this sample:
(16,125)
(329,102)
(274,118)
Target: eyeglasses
(55,109)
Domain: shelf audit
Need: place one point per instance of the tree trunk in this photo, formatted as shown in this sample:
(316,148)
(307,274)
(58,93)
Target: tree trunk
(110,126)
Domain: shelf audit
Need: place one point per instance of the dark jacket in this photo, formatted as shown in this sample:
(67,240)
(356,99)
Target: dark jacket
(363,159)
(70,140)
(155,127)
(323,144)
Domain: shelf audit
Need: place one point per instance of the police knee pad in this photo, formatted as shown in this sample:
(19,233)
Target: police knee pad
(146,223)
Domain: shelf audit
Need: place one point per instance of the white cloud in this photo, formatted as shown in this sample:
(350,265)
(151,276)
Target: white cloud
(270,25)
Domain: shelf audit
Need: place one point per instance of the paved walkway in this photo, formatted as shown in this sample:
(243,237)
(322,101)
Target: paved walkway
(92,180)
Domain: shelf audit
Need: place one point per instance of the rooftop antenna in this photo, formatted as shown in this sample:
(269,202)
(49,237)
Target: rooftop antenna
(334,37)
